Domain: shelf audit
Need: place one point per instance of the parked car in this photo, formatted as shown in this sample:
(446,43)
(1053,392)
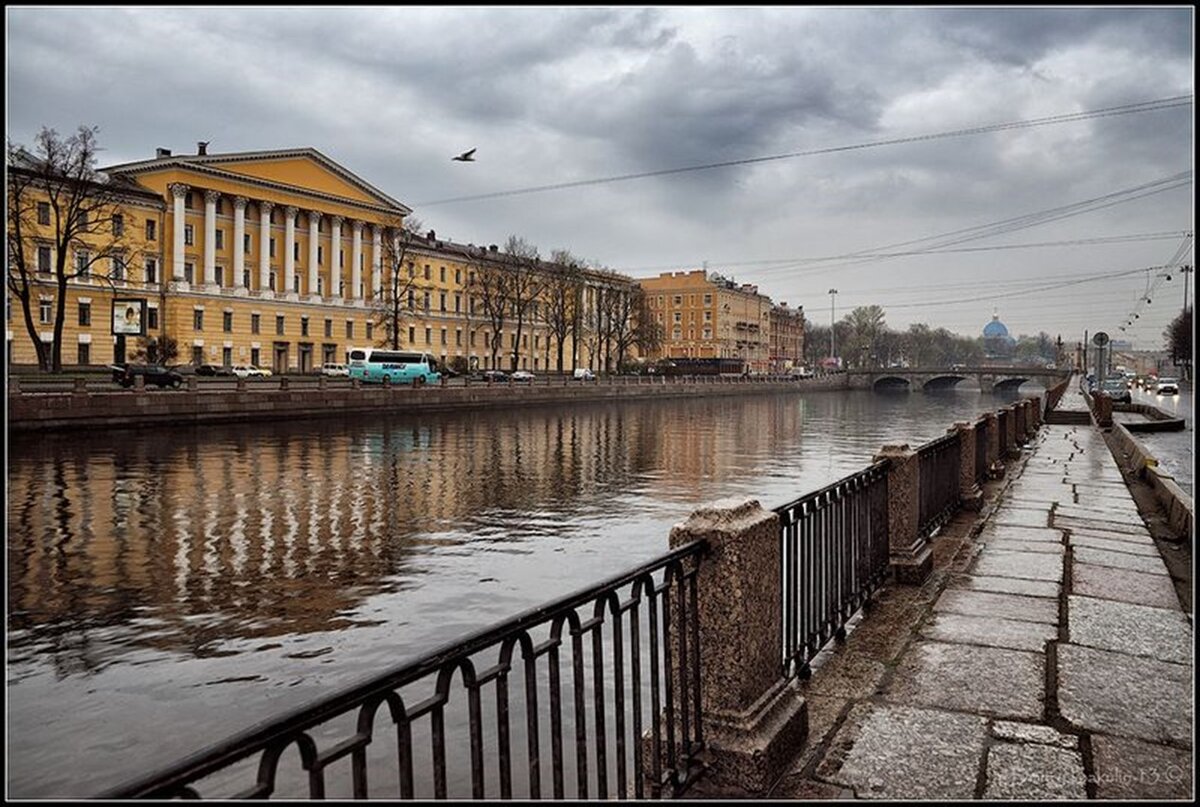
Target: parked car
(801,373)
(249,371)
(1166,386)
(584,374)
(495,376)
(522,375)
(335,369)
(1116,389)
(214,370)
(125,374)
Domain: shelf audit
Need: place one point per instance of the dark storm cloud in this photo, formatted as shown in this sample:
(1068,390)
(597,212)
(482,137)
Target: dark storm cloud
(556,95)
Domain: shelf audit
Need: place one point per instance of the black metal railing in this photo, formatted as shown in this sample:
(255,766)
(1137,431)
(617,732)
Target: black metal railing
(440,733)
(981,452)
(939,486)
(834,556)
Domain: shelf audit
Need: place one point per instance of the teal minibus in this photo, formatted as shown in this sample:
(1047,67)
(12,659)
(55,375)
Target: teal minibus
(372,365)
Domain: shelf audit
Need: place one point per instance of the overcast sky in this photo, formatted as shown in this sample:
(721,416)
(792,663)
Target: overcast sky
(551,96)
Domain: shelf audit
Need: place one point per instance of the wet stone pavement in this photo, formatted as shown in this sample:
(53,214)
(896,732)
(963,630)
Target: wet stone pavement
(1046,657)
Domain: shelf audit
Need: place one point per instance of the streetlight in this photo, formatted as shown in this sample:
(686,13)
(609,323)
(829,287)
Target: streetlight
(832,350)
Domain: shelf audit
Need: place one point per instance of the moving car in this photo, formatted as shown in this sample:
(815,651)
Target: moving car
(1116,389)
(1166,386)
(522,375)
(152,373)
(249,371)
(335,369)
(584,374)
(495,376)
(213,369)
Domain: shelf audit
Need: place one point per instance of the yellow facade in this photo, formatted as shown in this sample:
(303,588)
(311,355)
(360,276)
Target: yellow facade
(225,275)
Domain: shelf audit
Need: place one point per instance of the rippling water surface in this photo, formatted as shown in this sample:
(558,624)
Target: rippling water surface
(169,588)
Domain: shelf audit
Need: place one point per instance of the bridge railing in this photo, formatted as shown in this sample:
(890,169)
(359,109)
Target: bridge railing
(437,720)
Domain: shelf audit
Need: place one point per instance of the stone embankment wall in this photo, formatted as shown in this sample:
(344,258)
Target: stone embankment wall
(82,409)
(1176,502)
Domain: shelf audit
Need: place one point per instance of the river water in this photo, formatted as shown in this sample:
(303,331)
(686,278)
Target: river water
(167,588)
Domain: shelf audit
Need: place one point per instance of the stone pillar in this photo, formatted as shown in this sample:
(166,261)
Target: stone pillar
(289,249)
(210,238)
(79,387)
(911,557)
(376,261)
(241,383)
(1019,412)
(1103,410)
(1037,412)
(335,254)
(14,385)
(969,493)
(264,248)
(139,383)
(995,458)
(314,246)
(239,239)
(193,383)
(1011,449)
(179,248)
(754,720)
(356,263)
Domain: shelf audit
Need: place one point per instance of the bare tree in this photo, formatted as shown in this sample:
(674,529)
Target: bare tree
(393,307)
(648,334)
(526,283)
(564,284)
(59,205)
(491,286)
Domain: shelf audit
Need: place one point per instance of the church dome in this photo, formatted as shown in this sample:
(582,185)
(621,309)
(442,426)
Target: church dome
(995,329)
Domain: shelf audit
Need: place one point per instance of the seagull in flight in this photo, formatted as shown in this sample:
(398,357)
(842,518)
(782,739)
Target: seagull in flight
(466,157)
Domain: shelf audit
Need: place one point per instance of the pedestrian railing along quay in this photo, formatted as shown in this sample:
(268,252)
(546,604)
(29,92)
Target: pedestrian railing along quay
(834,548)
(590,732)
(939,461)
(684,668)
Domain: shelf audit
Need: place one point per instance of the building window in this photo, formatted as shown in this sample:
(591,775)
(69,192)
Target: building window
(81,263)
(708,316)
(443,274)
(44,311)
(411,298)
(227,356)
(85,353)
(151,230)
(320,255)
(85,313)
(227,321)
(678,299)
(220,239)
(43,260)
(219,275)
(320,285)
(341,258)
(272,247)
(457,303)
(412,335)
(279,324)
(328,329)
(118,222)
(254,355)
(472,339)
(304,326)
(443,301)
(246,278)
(458,337)
(197,355)
(708,333)
(458,276)
(370,329)
(426,302)
(189,235)
(246,243)
(197,320)
(151,270)
(189,272)
(349,329)
(708,299)
(427,275)
(679,316)
(187,200)
(272,281)
(255,323)
(429,336)
(43,209)
(443,336)
(152,318)
(296,282)
(296,250)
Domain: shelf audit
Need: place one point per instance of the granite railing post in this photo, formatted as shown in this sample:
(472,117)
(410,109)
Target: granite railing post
(754,719)
(241,383)
(80,387)
(1102,410)
(969,493)
(911,557)
(1019,429)
(355,383)
(284,383)
(139,383)
(193,384)
(14,385)
(322,382)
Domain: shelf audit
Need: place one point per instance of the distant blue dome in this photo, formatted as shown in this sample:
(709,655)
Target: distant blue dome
(995,329)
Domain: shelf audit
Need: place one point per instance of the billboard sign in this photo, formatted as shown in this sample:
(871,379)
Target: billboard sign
(129,316)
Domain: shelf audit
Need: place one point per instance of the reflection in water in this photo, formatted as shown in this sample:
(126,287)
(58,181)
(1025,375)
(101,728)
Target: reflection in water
(211,577)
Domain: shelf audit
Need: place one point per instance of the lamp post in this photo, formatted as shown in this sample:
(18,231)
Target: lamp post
(1186,270)
(832,343)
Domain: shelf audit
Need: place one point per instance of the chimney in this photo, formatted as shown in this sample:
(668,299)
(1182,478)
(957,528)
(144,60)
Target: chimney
(202,147)
(159,153)
(431,236)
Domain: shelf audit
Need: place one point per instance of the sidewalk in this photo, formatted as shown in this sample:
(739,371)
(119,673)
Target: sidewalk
(1046,658)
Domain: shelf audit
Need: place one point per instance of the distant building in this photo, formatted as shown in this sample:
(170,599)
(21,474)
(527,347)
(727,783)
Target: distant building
(997,343)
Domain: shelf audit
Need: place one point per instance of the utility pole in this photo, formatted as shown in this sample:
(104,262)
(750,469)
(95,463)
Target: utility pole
(832,320)
(1186,270)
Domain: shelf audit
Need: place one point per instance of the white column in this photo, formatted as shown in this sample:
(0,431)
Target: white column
(314,242)
(177,257)
(239,238)
(376,260)
(210,237)
(356,263)
(335,251)
(289,248)
(264,247)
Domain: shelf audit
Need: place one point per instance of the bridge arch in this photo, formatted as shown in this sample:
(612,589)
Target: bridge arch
(1008,384)
(891,383)
(943,382)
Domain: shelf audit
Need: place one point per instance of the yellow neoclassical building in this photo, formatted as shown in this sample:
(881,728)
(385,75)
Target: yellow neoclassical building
(277,259)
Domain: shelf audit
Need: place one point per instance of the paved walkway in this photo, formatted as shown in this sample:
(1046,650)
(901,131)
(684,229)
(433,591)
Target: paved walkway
(1046,658)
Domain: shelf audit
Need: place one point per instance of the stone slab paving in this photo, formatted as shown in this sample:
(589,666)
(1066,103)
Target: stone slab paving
(961,708)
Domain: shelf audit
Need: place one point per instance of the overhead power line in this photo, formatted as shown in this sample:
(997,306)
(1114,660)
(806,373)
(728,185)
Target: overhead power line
(1123,109)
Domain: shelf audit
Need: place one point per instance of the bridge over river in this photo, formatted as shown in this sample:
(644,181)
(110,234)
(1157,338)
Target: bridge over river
(990,379)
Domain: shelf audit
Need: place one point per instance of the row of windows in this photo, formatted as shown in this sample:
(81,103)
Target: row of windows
(118,221)
(46,314)
(280,324)
(677,300)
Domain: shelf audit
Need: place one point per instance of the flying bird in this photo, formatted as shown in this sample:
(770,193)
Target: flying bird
(466,157)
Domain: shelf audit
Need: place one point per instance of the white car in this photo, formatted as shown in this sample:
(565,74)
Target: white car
(1166,386)
(249,371)
(335,369)
(522,375)
(584,374)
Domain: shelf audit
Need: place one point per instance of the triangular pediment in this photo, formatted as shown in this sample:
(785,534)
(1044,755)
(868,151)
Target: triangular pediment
(300,169)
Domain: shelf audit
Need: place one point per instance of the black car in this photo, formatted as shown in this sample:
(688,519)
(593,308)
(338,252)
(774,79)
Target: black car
(495,376)
(156,374)
(213,369)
